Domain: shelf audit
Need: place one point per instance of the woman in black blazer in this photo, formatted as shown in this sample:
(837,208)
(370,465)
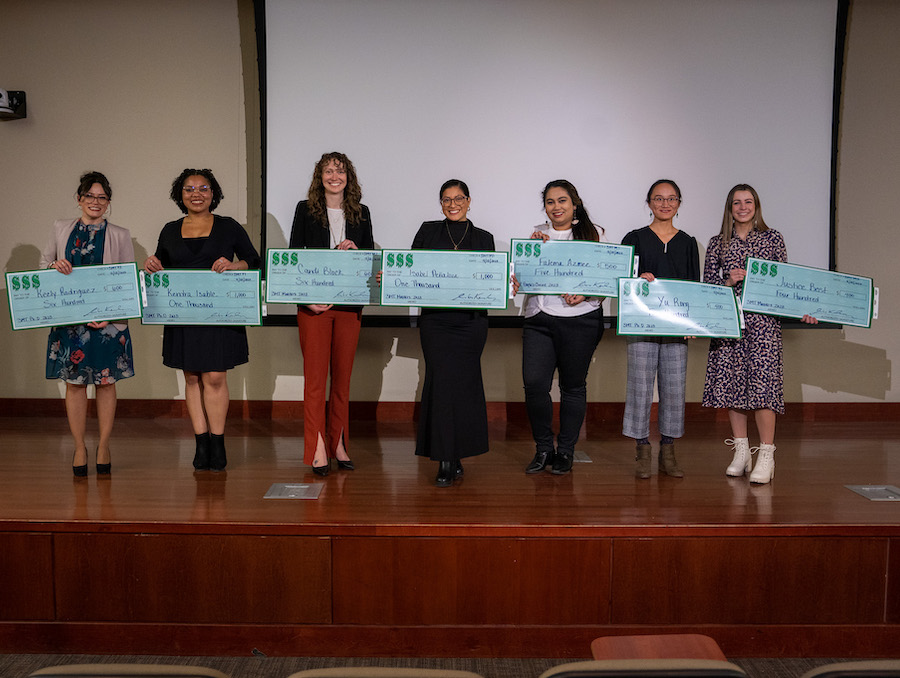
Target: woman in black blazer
(453,416)
(331,217)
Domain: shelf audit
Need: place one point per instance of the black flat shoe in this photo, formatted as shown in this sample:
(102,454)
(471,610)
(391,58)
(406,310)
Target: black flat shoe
(345,465)
(446,474)
(562,464)
(321,470)
(540,462)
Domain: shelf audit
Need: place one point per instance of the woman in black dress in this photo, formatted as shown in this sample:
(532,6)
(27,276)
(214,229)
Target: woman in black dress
(204,353)
(453,416)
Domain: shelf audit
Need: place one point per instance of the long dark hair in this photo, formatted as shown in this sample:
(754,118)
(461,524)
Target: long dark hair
(352,192)
(584,229)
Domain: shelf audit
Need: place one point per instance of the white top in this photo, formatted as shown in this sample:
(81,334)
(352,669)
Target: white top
(337,225)
(554,304)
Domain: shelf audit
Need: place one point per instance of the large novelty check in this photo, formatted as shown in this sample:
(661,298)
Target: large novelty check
(677,308)
(571,266)
(792,291)
(47,298)
(192,297)
(447,279)
(318,276)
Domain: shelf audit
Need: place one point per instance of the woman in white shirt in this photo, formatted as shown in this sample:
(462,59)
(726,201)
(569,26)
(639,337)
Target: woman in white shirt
(560,334)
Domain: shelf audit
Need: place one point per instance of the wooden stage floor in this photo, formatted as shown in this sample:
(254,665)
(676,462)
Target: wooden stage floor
(157,558)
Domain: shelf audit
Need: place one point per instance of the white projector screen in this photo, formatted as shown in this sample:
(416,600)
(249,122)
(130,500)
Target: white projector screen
(510,94)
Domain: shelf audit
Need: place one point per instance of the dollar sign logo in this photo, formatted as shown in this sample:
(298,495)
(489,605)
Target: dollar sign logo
(754,267)
(773,270)
(528,249)
(25,282)
(519,249)
(165,279)
(537,250)
(390,259)
(645,289)
(274,258)
(765,269)
(409,260)
(626,288)
(294,259)
(35,281)
(15,283)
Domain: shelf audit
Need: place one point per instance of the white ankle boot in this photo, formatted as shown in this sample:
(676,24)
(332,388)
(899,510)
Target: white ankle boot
(765,465)
(742,457)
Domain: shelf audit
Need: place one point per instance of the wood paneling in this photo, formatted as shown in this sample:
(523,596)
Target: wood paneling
(410,581)
(791,580)
(892,609)
(192,578)
(26,576)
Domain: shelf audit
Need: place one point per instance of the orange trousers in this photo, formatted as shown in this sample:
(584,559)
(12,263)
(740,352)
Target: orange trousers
(327,340)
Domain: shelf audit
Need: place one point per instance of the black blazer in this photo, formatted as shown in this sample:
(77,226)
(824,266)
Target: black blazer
(307,232)
(430,231)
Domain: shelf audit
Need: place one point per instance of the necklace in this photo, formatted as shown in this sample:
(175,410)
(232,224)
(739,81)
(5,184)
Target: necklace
(465,233)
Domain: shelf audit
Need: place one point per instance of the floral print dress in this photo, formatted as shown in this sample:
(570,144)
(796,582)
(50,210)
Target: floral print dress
(745,373)
(79,354)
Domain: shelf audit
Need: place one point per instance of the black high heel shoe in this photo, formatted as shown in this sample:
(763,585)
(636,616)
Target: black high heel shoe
(322,470)
(346,465)
(79,471)
(103,469)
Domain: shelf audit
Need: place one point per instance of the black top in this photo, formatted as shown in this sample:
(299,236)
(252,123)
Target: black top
(436,235)
(226,239)
(308,232)
(679,258)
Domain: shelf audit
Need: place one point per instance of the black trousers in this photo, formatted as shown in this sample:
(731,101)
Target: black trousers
(563,344)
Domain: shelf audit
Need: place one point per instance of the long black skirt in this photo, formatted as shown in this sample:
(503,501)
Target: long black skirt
(453,416)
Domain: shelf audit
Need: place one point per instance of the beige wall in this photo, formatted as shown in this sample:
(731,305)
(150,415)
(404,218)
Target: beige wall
(140,90)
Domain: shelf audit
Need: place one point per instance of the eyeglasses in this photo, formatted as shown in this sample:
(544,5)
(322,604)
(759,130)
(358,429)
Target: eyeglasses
(99,199)
(671,200)
(458,200)
(197,189)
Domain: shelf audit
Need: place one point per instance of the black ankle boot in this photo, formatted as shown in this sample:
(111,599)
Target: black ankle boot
(446,474)
(217,459)
(562,464)
(201,456)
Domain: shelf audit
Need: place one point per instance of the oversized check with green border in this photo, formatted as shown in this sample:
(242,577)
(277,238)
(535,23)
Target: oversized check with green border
(570,266)
(47,298)
(445,279)
(319,276)
(677,308)
(192,297)
(793,291)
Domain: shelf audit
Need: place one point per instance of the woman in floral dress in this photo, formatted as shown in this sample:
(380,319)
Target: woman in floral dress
(747,374)
(97,353)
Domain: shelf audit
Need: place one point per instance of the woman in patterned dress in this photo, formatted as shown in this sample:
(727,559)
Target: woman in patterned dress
(747,374)
(97,353)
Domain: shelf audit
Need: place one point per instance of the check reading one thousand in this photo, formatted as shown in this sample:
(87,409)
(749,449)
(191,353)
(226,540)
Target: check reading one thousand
(47,298)
(792,291)
(677,308)
(571,266)
(316,276)
(443,279)
(192,297)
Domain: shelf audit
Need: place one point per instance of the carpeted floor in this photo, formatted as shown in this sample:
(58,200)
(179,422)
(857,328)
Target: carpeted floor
(21,665)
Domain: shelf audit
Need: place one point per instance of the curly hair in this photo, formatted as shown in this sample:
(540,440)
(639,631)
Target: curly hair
(177,192)
(759,223)
(352,193)
(585,229)
(88,179)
